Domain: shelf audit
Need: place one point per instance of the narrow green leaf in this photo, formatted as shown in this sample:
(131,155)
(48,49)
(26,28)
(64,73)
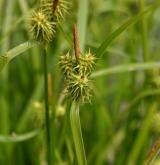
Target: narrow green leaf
(19,138)
(8,56)
(82,22)
(126,68)
(100,51)
(77,134)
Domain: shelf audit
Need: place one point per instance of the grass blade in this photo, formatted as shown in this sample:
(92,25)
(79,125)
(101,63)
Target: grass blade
(19,138)
(77,134)
(100,51)
(5,59)
(126,68)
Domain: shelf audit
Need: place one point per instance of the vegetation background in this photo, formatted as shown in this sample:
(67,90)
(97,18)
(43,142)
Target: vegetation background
(121,124)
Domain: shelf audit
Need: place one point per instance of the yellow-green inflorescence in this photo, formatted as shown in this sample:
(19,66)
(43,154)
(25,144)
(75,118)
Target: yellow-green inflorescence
(41,28)
(77,75)
(43,21)
(55,9)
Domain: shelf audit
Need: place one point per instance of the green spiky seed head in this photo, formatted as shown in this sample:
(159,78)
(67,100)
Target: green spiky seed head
(42,29)
(61,9)
(79,88)
(87,63)
(76,73)
(46,7)
(55,9)
(66,65)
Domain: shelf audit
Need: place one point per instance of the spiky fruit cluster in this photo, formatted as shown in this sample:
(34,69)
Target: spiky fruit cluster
(66,64)
(76,73)
(79,87)
(87,63)
(56,9)
(41,28)
(43,22)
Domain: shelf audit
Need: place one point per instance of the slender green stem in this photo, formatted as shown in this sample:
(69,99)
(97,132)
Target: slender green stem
(77,134)
(144,24)
(46,106)
(145,41)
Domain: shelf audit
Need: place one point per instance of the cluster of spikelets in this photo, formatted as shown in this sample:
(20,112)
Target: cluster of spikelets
(43,22)
(54,9)
(77,72)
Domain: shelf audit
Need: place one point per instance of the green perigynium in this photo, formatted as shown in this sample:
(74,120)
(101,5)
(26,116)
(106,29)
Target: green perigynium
(87,62)
(41,28)
(66,63)
(76,73)
(79,87)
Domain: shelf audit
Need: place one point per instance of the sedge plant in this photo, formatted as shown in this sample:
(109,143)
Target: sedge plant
(77,70)
(111,149)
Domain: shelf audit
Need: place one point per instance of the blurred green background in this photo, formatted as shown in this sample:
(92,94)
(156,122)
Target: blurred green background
(121,124)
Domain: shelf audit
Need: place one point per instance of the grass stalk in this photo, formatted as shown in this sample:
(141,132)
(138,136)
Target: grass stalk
(46,107)
(77,134)
(144,34)
(144,25)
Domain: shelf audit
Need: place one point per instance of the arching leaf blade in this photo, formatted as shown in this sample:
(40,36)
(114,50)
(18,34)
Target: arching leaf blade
(100,51)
